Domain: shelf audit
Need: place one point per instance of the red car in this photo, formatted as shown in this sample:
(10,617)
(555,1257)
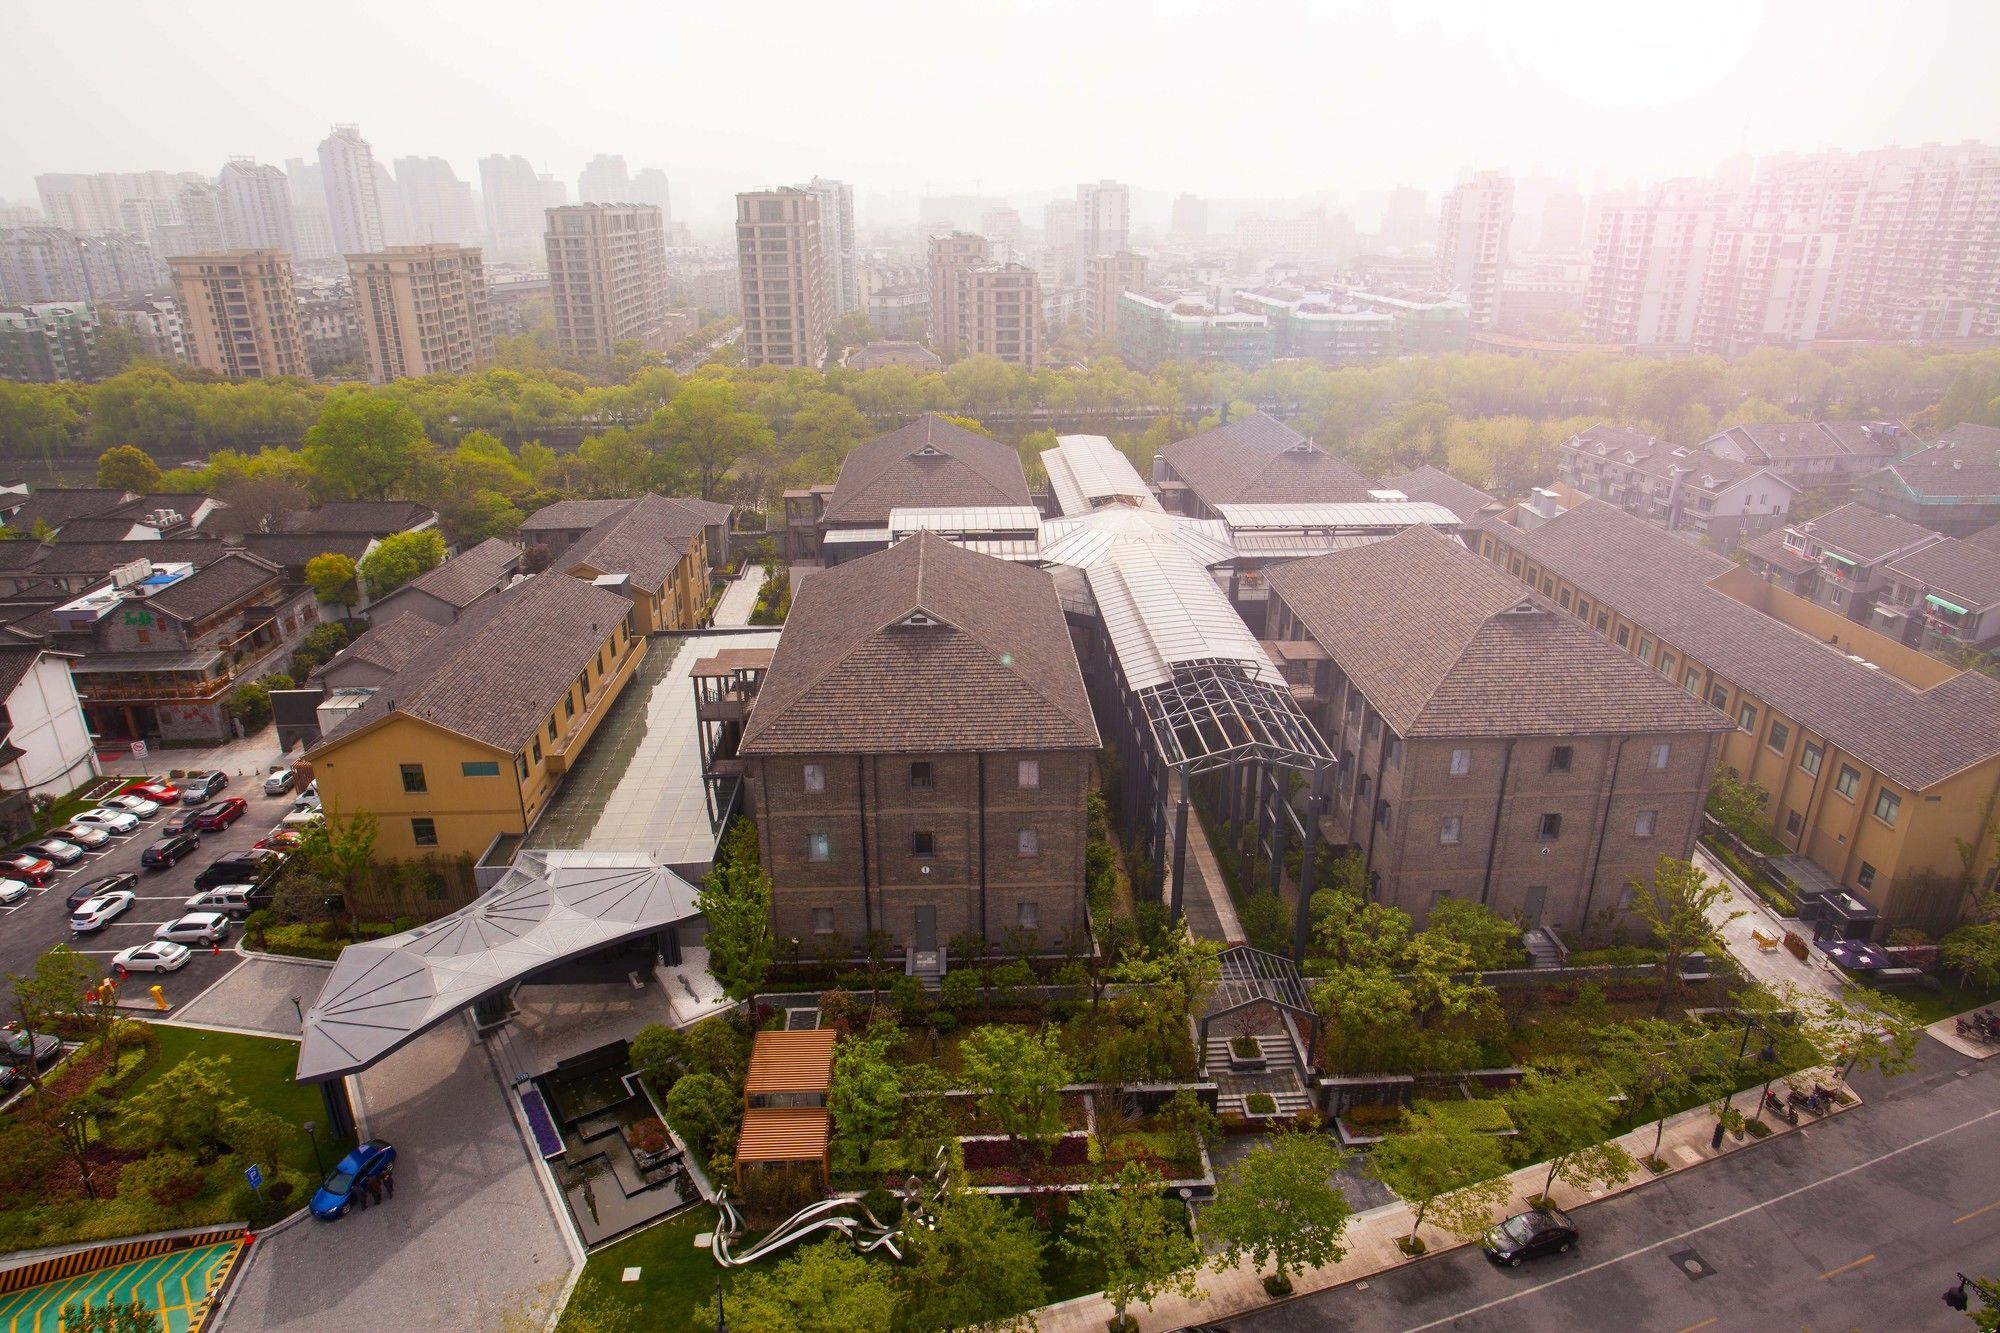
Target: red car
(32,869)
(166,793)
(279,840)
(222,814)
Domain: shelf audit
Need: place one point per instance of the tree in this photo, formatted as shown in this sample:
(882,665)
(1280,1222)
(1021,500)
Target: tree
(1675,908)
(704,425)
(1356,933)
(704,1109)
(1443,1168)
(1973,951)
(1278,1207)
(1738,804)
(186,1109)
(364,445)
(249,704)
(979,1265)
(334,580)
(1987,1317)
(1490,940)
(400,557)
(54,988)
(1566,1119)
(486,514)
(340,849)
(1128,1227)
(865,1097)
(735,897)
(1020,1077)
(126,467)
(658,1050)
(1661,1066)
(256,1135)
(1435,963)
(819,1289)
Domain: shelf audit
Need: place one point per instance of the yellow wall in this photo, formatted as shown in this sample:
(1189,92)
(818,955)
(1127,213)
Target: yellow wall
(364,772)
(676,604)
(1917,668)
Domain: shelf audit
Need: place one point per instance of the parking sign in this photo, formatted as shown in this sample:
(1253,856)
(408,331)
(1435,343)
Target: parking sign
(255,1176)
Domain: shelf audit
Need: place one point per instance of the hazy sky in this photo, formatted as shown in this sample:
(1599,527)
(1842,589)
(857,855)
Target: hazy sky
(903,97)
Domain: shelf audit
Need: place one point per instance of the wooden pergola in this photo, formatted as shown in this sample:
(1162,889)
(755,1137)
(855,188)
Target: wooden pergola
(785,1120)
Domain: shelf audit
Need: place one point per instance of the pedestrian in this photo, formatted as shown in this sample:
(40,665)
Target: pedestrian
(361,1196)
(389,1182)
(374,1189)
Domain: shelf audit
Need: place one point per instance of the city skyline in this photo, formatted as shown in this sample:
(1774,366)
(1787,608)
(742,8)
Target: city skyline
(1554,92)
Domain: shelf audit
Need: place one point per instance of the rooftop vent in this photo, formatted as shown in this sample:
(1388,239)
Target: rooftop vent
(1389,496)
(919,618)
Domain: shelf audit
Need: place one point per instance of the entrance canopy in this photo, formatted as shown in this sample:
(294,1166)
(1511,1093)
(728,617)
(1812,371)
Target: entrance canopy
(549,908)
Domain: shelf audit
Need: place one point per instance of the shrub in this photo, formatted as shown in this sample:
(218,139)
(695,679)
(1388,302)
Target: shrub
(1261,1103)
(1245,1048)
(703,1108)
(27,1156)
(647,1135)
(838,1008)
(163,1179)
(960,989)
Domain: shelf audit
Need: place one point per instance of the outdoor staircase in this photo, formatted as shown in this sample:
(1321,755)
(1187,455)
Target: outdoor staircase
(1543,949)
(1289,1103)
(1279,1078)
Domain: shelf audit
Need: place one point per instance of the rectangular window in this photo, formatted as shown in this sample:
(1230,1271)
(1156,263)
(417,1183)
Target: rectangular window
(1603,619)
(920,775)
(1624,636)
(1848,782)
(819,846)
(1887,806)
(413,779)
(1461,763)
(1027,842)
(1551,829)
(1559,758)
(1028,773)
(1746,718)
(424,832)
(479,768)
(1582,609)
(1667,665)
(1449,829)
(1028,916)
(521,766)
(1793,822)
(1780,738)
(1718,697)
(1642,827)
(537,750)
(1661,754)
(1810,757)
(1382,813)
(1392,750)
(1866,879)
(822,921)
(552,728)
(1562,600)
(815,777)
(1514,566)
(1645,650)
(923,846)
(1691,682)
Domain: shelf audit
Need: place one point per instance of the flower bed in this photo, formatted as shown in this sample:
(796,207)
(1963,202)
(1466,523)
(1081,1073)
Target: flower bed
(980,1153)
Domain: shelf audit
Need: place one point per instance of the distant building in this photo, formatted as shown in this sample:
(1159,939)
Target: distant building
(913,356)
(257,208)
(788,306)
(1674,487)
(1330,328)
(1853,548)
(949,256)
(1255,460)
(1944,596)
(443,594)
(1813,455)
(1106,279)
(41,264)
(437,205)
(1648,258)
(156,320)
(423,310)
(242,313)
(354,204)
(929,464)
(607,277)
(837,247)
(1000,313)
(1157,327)
(514,199)
(1103,219)
(48,341)
(1190,217)
(1472,242)
(330,323)
(605,180)
(1953,486)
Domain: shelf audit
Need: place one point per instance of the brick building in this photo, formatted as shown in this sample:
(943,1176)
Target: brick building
(919,753)
(1491,747)
(1255,460)
(929,464)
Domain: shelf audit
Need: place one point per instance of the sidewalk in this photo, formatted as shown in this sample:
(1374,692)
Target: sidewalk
(248,758)
(1371,1236)
(741,599)
(1946,1031)
(1778,965)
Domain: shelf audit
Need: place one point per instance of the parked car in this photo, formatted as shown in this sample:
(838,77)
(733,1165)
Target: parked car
(36,870)
(299,820)
(199,787)
(250,867)
(56,850)
(280,839)
(19,1052)
(165,853)
(280,780)
(221,814)
(229,899)
(13,891)
(107,819)
(183,821)
(86,836)
(1529,1235)
(94,913)
(307,801)
(98,888)
(166,793)
(159,956)
(336,1195)
(133,805)
(203,928)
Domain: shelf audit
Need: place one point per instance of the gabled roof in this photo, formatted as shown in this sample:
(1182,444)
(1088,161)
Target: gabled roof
(1987,537)
(377,518)
(389,645)
(228,582)
(930,463)
(497,672)
(1770,548)
(1916,737)
(71,558)
(1435,486)
(647,539)
(1444,644)
(570,515)
(1969,575)
(293,551)
(1261,460)
(922,648)
(16,662)
(1970,435)
(57,505)
(1785,441)
(469,575)
(1864,533)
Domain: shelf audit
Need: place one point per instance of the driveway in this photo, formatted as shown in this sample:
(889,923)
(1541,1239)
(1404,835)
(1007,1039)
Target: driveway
(468,1242)
(1775,965)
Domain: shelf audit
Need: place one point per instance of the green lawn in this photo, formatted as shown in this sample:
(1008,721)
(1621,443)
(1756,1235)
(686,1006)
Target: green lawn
(1932,1006)
(260,1069)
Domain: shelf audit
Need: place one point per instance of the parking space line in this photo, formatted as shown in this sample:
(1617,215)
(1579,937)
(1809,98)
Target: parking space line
(1836,1272)
(1977,1212)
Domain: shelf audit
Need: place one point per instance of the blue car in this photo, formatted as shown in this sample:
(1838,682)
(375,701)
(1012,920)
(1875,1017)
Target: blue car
(336,1196)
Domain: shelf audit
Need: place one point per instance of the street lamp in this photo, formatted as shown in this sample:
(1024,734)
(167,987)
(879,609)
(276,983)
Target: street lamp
(721,1322)
(311,1133)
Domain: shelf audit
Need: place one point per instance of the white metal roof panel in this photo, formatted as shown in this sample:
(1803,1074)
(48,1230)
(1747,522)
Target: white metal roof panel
(1359,514)
(1161,609)
(855,536)
(1102,471)
(1069,493)
(980,518)
(1086,539)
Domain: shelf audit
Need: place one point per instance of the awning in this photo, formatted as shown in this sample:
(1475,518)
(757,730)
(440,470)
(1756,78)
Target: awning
(1834,555)
(1936,600)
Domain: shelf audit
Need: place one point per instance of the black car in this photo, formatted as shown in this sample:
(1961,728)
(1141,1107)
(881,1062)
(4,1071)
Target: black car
(184,822)
(1529,1235)
(198,787)
(251,867)
(15,1049)
(167,851)
(97,888)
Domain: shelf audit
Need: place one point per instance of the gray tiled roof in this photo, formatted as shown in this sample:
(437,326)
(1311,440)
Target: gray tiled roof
(293,551)
(1436,486)
(57,505)
(16,662)
(469,575)
(1864,533)
(391,644)
(571,515)
(929,464)
(1261,460)
(1967,469)
(991,669)
(103,557)
(378,518)
(1771,549)
(217,587)
(1475,654)
(498,671)
(1659,458)
(1987,537)
(647,539)
(1783,441)
(1916,737)
(1967,574)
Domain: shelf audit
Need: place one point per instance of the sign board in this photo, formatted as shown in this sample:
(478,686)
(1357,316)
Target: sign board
(255,1175)
(138,749)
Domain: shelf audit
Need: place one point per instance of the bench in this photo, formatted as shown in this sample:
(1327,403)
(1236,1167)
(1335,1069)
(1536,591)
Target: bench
(1768,943)
(1898,976)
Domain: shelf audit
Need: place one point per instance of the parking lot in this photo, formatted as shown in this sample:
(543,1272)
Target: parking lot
(31,927)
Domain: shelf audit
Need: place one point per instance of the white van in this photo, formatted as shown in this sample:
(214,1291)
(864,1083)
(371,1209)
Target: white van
(229,899)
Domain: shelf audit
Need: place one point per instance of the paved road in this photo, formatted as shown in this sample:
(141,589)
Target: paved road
(1860,1223)
(30,928)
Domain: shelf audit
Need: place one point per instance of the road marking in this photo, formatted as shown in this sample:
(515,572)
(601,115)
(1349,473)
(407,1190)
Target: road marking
(1975,1213)
(1703,1324)
(1836,1272)
(1705,1226)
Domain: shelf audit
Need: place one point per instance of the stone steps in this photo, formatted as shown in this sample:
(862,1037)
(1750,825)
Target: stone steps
(1289,1103)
